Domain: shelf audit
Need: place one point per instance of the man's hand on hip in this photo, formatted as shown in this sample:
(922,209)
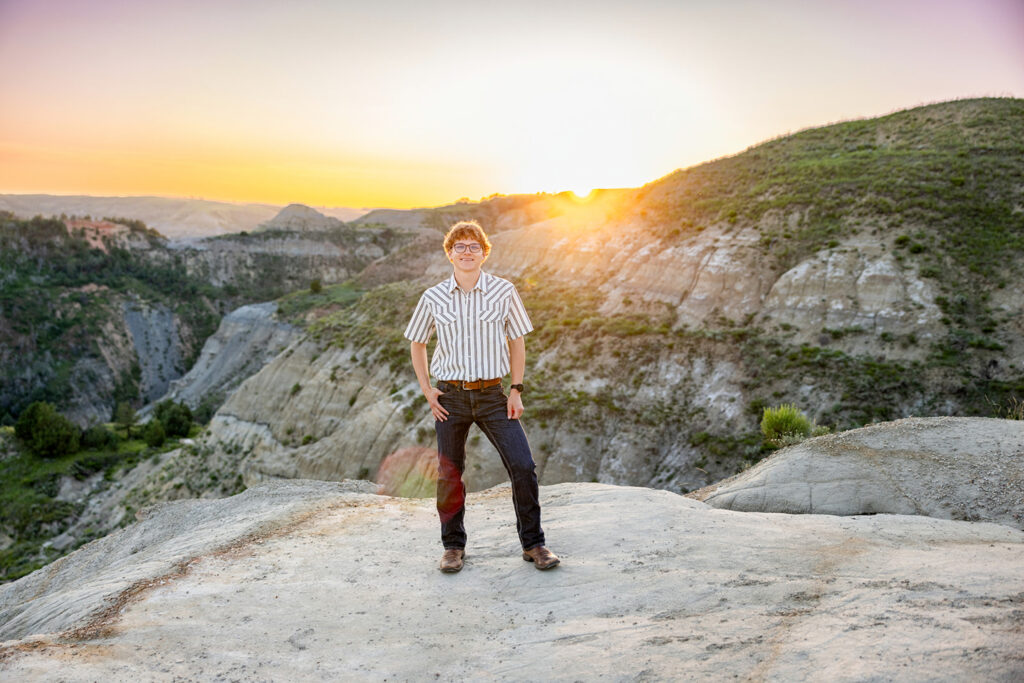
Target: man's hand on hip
(438,411)
(515,405)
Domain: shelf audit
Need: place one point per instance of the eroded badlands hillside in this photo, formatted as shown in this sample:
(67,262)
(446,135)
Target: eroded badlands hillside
(863,271)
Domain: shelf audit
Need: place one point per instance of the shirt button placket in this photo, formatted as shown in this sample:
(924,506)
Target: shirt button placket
(469,331)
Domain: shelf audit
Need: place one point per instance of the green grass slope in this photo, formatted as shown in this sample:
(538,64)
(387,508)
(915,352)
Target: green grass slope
(947,178)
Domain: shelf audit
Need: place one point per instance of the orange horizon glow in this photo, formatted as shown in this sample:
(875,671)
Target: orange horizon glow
(237,176)
(243,176)
(266,103)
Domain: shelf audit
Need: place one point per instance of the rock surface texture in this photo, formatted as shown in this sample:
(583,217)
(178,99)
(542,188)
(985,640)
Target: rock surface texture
(154,334)
(248,338)
(312,581)
(964,468)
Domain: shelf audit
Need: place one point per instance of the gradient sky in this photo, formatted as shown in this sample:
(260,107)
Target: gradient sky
(412,103)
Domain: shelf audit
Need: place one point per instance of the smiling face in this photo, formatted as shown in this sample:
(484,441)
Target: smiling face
(469,260)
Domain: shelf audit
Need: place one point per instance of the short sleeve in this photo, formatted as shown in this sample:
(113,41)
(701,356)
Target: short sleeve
(517,324)
(421,326)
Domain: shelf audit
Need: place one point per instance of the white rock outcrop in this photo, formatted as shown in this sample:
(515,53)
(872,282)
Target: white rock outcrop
(858,289)
(247,339)
(964,468)
(306,581)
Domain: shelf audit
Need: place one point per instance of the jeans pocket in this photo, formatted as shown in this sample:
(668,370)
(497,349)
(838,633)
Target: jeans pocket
(497,398)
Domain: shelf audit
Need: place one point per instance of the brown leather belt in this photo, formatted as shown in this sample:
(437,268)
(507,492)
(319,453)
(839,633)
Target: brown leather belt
(475,384)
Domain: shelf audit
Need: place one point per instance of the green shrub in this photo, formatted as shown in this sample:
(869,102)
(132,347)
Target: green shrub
(175,417)
(207,407)
(315,287)
(820,430)
(45,432)
(784,423)
(153,433)
(1013,409)
(98,437)
(91,463)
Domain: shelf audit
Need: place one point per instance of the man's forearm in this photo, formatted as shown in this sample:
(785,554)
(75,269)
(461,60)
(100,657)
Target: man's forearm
(517,367)
(517,359)
(419,365)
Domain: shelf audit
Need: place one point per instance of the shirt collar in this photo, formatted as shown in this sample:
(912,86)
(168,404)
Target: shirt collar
(482,283)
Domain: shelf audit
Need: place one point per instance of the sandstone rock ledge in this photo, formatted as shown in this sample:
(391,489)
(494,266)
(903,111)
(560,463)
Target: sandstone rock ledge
(963,468)
(311,581)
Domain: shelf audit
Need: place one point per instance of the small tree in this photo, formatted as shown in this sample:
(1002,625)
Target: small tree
(175,417)
(45,432)
(315,286)
(98,437)
(125,417)
(179,421)
(154,433)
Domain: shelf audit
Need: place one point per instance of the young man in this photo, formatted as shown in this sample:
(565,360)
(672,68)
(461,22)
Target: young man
(480,323)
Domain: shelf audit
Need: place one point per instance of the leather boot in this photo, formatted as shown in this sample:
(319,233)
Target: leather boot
(451,561)
(541,557)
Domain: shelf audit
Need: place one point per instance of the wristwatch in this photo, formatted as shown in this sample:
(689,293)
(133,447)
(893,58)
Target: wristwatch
(518,387)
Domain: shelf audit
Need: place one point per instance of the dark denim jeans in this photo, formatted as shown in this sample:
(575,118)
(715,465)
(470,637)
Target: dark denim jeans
(487,408)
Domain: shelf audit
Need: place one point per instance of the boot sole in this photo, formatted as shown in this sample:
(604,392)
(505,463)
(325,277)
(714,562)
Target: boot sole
(554,564)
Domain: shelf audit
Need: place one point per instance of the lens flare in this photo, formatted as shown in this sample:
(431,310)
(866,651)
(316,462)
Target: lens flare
(408,473)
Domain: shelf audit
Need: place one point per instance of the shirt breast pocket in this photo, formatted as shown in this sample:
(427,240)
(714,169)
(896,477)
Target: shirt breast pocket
(493,316)
(444,317)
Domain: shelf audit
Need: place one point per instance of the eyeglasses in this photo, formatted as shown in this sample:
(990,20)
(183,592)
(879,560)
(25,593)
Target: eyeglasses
(474,248)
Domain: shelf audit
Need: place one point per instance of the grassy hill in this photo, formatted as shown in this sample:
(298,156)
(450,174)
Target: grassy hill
(947,178)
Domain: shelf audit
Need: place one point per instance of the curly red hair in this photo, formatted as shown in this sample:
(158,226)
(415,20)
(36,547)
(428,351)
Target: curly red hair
(466,230)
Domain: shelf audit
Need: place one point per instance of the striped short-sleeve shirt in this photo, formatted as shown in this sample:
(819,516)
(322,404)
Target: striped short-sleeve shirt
(473,328)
